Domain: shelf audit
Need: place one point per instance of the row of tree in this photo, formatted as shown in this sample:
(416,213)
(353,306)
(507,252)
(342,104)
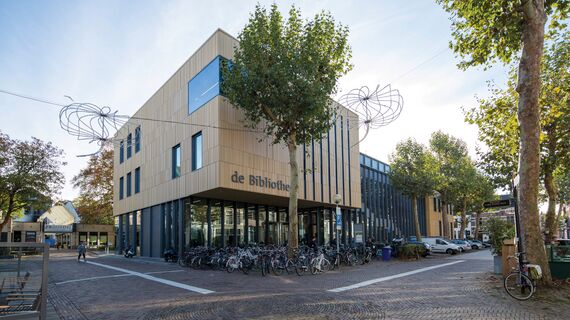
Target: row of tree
(443,167)
(30,176)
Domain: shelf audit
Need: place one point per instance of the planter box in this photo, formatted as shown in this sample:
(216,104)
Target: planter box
(497,264)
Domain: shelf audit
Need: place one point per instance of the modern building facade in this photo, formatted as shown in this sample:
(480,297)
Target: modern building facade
(189,173)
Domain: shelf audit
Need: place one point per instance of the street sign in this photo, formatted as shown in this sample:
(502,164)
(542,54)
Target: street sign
(338,219)
(497,203)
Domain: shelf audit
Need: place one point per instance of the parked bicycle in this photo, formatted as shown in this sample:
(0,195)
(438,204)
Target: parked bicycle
(520,282)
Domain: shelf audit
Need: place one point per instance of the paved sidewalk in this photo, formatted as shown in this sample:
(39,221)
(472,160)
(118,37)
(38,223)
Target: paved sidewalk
(462,289)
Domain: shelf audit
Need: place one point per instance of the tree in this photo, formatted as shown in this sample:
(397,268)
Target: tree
(450,154)
(498,125)
(29,175)
(489,30)
(282,76)
(465,189)
(95,183)
(413,171)
(484,191)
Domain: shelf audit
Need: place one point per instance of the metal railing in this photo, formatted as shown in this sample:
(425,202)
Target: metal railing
(23,280)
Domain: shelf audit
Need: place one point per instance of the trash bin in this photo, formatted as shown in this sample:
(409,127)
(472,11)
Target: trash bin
(386,253)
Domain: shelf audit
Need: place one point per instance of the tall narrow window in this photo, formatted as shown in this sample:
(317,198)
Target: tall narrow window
(129,145)
(122,152)
(128,184)
(138,139)
(138,180)
(121,188)
(176,161)
(197,151)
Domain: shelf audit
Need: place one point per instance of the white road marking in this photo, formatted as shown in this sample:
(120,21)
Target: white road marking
(399,275)
(151,278)
(94,278)
(114,276)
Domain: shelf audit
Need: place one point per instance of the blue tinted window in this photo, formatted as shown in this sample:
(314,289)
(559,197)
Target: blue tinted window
(176,161)
(204,86)
(128,184)
(197,151)
(121,188)
(138,180)
(129,145)
(122,152)
(138,139)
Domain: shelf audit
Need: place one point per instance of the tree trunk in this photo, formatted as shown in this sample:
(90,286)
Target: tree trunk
(444,217)
(293,197)
(528,88)
(550,222)
(559,216)
(8,213)
(463,220)
(416,218)
(476,236)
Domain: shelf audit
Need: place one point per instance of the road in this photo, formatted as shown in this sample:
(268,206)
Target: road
(439,287)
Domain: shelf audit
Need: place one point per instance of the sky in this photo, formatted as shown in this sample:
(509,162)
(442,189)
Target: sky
(118,53)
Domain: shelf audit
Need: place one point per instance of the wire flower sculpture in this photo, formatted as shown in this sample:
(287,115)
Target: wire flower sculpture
(376,108)
(89,122)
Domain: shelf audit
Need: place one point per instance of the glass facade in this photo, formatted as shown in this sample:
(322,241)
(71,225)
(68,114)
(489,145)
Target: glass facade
(204,86)
(386,213)
(197,151)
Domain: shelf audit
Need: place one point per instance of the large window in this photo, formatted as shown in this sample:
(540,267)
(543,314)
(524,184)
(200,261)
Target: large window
(129,145)
(128,184)
(199,224)
(30,236)
(197,151)
(204,86)
(138,180)
(121,188)
(176,161)
(122,152)
(138,139)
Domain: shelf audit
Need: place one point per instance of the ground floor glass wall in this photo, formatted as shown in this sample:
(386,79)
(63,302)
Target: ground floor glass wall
(192,222)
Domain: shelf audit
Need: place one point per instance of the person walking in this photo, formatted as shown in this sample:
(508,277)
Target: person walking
(81,249)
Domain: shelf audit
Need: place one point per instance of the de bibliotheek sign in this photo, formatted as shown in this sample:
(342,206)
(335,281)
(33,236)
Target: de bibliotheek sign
(259,181)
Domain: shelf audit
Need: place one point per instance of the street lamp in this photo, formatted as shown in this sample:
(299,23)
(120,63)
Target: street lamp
(337,201)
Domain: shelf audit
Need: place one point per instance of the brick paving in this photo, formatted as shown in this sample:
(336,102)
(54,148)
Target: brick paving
(464,290)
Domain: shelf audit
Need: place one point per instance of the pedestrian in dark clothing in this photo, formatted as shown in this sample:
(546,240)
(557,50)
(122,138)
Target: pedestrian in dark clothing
(81,249)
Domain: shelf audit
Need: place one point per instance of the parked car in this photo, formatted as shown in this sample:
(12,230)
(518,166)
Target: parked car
(486,244)
(425,244)
(476,244)
(462,244)
(441,245)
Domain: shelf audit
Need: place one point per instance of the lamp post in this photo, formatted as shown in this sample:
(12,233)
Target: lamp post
(337,201)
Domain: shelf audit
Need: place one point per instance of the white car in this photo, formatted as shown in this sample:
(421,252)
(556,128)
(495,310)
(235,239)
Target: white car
(462,244)
(441,245)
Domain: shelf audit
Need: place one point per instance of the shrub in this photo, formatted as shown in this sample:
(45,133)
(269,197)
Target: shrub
(498,230)
(412,250)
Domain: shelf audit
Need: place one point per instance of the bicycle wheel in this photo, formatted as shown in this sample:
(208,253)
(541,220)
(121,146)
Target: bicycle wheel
(519,286)
(277,267)
(300,267)
(314,266)
(183,262)
(290,266)
(326,265)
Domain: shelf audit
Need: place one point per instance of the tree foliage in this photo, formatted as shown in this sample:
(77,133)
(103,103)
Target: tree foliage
(282,76)
(29,175)
(95,183)
(414,171)
(284,72)
(450,154)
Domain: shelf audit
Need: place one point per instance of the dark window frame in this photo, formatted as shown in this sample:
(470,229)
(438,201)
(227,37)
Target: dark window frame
(129,184)
(137,180)
(129,145)
(121,188)
(137,139)
(196,152)
(176,161)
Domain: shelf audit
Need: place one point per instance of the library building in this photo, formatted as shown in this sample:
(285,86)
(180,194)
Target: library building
(194,177)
